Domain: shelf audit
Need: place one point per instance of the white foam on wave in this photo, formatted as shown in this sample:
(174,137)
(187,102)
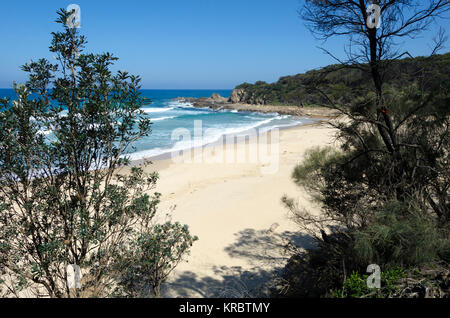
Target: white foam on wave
(234,111)
(193,112)
(180,104)
(157,109)
(240,129)
(186,105)
(163,118)
(212,138)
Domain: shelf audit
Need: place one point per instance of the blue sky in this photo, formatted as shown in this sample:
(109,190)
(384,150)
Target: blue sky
(177,43)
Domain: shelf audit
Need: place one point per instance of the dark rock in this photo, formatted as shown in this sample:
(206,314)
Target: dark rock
(238,96)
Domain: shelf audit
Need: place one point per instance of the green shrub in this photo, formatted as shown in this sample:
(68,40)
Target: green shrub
(344,85)
(400,235)
(355,286)
(153,257)
(390,279)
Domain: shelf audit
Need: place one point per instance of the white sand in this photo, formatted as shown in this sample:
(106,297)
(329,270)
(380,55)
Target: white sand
(236,212)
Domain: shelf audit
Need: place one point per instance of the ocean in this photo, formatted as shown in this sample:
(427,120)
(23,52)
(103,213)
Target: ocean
(168,116)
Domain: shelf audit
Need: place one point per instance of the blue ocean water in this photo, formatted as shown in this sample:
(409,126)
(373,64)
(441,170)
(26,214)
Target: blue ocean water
(167,115)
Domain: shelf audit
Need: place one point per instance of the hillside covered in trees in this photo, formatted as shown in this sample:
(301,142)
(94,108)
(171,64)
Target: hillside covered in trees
(342,84)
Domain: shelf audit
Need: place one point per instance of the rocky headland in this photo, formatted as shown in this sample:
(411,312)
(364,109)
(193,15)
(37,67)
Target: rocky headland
(217,102)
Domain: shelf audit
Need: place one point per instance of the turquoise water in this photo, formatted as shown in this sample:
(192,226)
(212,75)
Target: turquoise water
(168,115)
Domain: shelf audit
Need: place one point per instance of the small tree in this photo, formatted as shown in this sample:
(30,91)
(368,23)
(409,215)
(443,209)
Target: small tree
(153,257)
(63,199)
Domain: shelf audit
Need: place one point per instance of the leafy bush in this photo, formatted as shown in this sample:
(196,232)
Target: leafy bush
(153,257)
(390,279)
(355,286)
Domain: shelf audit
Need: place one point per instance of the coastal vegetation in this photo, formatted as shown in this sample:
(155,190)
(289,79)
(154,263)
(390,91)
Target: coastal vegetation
(68,197)
(71,199)
(385,192)
(342,84)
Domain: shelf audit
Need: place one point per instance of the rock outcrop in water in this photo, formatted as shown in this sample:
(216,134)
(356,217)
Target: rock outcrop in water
(215,102)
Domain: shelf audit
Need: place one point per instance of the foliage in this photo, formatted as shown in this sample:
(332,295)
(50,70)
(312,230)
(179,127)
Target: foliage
(385,192)
(389,279)
(342,85)
(367,172)
(400,235)
(355,286)
(153,257)
(63,198)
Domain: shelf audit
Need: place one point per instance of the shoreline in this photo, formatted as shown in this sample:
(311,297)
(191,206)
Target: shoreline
(169,155)
(321,114)
(236,211)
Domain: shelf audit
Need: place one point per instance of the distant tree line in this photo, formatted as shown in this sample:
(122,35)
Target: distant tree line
(344,84)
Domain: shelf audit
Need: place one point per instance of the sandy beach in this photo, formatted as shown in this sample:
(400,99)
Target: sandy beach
(236,211)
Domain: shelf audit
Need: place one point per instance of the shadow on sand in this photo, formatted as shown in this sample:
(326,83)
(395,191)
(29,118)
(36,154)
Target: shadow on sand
(265,251)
